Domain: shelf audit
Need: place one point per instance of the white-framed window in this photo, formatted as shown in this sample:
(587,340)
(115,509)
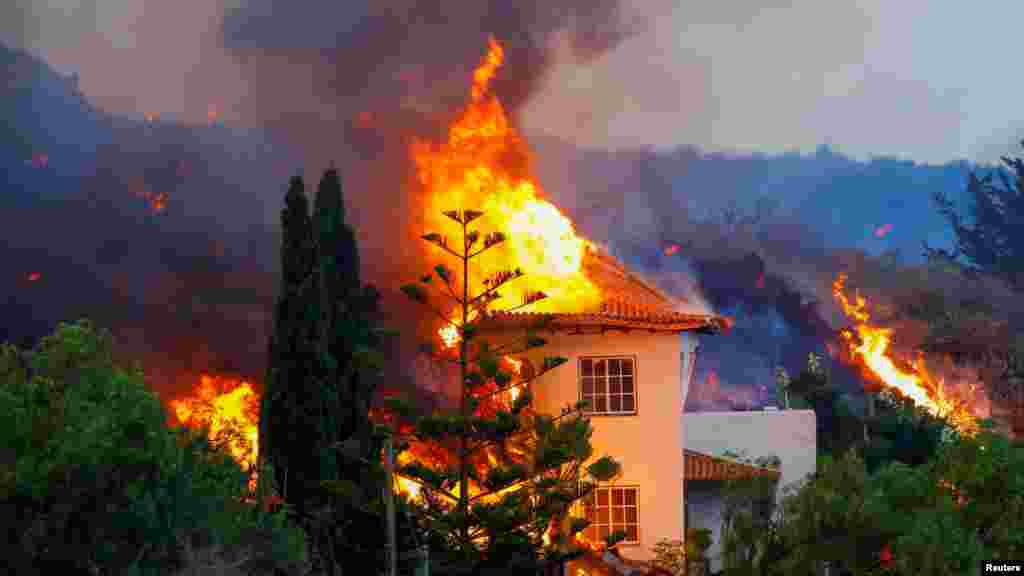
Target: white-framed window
(608,384)
(610,509)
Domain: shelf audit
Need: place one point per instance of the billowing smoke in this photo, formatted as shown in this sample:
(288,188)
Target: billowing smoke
(168,232)
(352,83)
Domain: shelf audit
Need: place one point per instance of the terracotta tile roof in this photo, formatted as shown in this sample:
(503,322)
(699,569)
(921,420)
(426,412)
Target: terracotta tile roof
(629,303)
(698,466)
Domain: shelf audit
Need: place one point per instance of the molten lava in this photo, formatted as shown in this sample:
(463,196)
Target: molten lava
(871,345)
(225,405)
(483,165)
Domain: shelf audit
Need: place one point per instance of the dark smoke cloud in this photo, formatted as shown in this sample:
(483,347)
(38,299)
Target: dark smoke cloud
(353,82)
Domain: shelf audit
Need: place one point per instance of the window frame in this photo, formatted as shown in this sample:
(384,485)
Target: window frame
(594,524)
(636,397)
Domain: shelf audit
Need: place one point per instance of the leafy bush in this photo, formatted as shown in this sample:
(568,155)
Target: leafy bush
(93,479)
(963,505)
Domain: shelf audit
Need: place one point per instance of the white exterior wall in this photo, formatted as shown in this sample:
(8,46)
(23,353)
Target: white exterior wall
(789,434)
(646,444)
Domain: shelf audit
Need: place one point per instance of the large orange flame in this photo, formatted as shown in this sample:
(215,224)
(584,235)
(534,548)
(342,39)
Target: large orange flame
(221,404)
(482,166)
(872,346)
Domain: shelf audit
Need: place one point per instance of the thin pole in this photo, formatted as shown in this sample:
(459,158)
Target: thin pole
(389,502)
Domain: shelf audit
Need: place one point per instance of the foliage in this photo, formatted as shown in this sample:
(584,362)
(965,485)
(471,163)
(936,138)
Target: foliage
(681,558)
(894,428)
(501,476)
(323,356)
(94,480)
(944,516)
(838,428)
(990,236)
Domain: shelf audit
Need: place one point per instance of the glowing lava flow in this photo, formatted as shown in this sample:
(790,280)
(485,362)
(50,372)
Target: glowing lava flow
(916,384)
(484,165)
(223,404)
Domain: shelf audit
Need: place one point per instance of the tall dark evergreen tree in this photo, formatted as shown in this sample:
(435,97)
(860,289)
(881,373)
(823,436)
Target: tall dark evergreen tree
(315,427)
(990,232)
(290,353)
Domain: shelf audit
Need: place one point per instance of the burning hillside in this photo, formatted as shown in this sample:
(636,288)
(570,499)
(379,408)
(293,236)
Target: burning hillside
(870,344)
(229,409)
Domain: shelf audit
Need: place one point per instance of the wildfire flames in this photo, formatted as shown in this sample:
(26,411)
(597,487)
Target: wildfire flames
(871,345)
(482,166)
(223,404)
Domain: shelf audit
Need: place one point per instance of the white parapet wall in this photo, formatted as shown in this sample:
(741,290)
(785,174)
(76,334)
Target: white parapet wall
(791,435)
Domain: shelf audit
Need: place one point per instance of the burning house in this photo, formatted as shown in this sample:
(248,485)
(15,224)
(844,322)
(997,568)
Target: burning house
(631,347)
(632,356)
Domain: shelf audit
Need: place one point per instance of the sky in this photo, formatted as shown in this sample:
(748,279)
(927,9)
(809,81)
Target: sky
(917,79)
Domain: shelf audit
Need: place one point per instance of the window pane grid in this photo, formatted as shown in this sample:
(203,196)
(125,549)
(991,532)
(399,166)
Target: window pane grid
(611,510)
(608,385)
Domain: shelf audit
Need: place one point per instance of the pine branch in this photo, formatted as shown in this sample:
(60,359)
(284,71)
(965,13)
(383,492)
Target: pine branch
(528,343)
(439,357)
(441,242)
(529,299)
(490,241)
(496,281)
(449,294)
(439,314)
(463,216)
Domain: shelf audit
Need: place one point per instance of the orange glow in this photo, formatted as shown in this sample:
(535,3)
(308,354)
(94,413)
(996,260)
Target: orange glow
(222,403)
(517,367)
(483,165)
(151,116)
(157,200)
(211,113)
(872,346)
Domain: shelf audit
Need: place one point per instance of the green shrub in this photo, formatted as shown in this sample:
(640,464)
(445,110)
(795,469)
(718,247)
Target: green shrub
(95,481)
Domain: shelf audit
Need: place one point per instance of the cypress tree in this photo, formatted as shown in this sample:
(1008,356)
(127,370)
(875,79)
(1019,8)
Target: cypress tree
(345,341)
(289,351)
(315,426)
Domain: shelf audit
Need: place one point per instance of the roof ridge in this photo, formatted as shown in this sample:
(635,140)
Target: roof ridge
(602,256)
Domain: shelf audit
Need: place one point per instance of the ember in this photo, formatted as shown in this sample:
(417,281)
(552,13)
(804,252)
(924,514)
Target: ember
(157,201)
(222,405)
(484,165)
(871,345)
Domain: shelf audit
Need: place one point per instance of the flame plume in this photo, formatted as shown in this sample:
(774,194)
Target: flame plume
(483,166)
(222,404)
(871,345)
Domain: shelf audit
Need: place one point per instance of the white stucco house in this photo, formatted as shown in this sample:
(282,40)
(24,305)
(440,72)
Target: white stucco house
(633,358)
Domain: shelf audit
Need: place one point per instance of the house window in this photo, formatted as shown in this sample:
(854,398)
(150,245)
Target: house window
(608,384)
(610,509)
